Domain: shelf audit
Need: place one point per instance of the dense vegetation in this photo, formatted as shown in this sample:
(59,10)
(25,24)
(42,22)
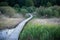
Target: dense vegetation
(40,32)
(40,8)
(44,12)
(8,11)
(48,11)
(41,12)
(35,3)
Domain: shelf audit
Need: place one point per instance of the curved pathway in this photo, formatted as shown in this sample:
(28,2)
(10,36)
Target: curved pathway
(13,34)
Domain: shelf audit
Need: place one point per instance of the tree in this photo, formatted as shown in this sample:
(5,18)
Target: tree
(21,2)
(29,3)
(17,7)
(3,4)
(12,2)
(37,3)
(49,4)
(58,2)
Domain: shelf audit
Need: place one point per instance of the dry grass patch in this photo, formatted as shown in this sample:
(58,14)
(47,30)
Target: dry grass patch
(46,21)
(9,22)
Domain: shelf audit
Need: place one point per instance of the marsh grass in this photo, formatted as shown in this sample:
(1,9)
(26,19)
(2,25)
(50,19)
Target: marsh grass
(40,32)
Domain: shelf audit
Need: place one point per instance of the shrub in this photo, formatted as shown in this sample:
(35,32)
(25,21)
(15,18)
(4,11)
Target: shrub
(56,11)
(31,9)
(8,11)
(40,11)
(49,4)
(23,11)
(17,7)
(48,11)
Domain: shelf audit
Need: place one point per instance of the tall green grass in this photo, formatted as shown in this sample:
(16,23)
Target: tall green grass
(40,32)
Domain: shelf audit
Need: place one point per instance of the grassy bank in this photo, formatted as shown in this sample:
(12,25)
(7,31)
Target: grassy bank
(36,31)
(9,17)
(9,22)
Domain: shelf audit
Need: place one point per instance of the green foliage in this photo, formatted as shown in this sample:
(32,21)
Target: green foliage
(17,7)
(35,3)
(29,3)
(40,11)
(49,4)
(56,10)
(8,11)
(40,32)
(23,11)
(30,9)
(48,12)
(3,4)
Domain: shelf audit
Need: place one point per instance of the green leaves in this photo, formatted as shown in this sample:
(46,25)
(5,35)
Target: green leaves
(48,11)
